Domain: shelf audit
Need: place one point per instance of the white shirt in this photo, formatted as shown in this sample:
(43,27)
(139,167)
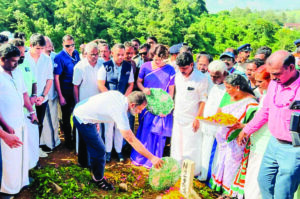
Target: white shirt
(43,71)
(189,93)
(52,92)
(11,97)
(107,107)
(85,76)
(212,104)
(117,70)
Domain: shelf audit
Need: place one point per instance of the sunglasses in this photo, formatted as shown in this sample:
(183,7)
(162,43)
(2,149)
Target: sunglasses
(144,53)
(226,59)
(71,45)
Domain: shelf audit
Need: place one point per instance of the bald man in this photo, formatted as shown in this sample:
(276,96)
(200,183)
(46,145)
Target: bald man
(279,174)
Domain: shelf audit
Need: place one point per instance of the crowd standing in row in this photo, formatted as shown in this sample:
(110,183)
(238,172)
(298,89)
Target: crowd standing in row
(254,158)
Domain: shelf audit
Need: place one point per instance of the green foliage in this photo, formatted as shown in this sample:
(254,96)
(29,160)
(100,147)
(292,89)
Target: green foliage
(74,181)
(171,21)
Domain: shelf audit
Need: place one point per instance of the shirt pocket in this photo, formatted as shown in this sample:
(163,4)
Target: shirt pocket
(191,93)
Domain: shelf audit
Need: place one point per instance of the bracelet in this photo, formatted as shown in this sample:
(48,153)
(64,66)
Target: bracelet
(32,112)
(33,94)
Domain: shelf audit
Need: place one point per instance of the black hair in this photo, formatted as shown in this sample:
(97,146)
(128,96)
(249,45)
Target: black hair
(184,59)
(3,39)
(67,37)
(290,59)
(238,80)
(153,38)
(20,35)
(17,42)
(267,51)
(136,40)
(256,61)
(161,51)
(205,54)
(145,46)
(8,51)
(37,39)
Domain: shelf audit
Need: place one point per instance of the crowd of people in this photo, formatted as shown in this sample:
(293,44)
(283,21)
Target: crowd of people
(94,95)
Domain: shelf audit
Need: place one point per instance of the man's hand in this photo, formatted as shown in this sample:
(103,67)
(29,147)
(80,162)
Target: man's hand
(39,100)
(12,141)
(33,118)
(147,91)
(98,127)
(157,162)
(62,101)
(33,100)
(196,125)
(242,138)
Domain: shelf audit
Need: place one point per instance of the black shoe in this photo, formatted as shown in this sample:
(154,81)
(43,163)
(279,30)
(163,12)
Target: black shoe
(108,157)
(120,157)
(46,149)
(104,185)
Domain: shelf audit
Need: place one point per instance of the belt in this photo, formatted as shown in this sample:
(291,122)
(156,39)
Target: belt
(284,141)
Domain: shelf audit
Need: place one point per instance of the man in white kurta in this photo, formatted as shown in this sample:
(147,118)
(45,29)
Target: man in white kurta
(218,72)
(85,86)
(14,161)
(191,93)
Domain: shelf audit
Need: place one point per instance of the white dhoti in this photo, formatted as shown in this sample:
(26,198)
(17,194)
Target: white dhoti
(50,131)
(186,144)
(208,150)
(15,166)
(33,143)
(112,135)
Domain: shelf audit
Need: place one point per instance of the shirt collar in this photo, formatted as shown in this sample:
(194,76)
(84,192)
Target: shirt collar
(73,58)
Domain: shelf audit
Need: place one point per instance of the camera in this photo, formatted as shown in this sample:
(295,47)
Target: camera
(295,123)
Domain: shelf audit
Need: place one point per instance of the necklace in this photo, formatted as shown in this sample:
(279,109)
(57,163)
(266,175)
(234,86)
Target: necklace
(289,101)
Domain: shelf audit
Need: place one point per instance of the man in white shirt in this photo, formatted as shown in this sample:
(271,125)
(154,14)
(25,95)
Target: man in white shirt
(85,86)
(42,68)
(115,74)
(191,93)
(218,72)
(13,96)
(109,107)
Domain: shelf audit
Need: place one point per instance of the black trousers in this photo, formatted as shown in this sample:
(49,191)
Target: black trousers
(67,110)
(40,113)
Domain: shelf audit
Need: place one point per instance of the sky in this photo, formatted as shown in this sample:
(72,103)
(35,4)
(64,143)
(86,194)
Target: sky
(214,6)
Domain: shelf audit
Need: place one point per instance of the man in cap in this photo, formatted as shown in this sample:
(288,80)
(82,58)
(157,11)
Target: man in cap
(297,54)
(229,59)
(174,51)
(244,53)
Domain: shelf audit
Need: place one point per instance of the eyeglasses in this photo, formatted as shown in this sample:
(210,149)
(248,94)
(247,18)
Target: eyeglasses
(71,45)
(226,59)
(144,53)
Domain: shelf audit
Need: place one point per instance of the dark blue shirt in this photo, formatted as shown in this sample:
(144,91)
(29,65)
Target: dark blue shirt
(63,66)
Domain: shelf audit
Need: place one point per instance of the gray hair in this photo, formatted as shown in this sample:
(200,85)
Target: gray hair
(118,46)
(238,80)
(90,46)
(217,66)
(137,97)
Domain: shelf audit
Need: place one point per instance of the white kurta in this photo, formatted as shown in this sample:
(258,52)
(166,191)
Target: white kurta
(15,163)
(185,143)
(208,132)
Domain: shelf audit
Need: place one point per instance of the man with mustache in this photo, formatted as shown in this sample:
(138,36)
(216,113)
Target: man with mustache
(244,54)
(279,174)
(30,83)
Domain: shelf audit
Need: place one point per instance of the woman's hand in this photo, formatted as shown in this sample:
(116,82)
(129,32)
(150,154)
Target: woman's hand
(242,138)
(237,125)
(147,91)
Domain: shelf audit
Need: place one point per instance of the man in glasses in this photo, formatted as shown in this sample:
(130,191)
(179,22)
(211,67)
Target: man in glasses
(229,59)
(64,63)
(143,55)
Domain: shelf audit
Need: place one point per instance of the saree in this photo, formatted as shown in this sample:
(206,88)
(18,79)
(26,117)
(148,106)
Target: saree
(153,129)
(230,154)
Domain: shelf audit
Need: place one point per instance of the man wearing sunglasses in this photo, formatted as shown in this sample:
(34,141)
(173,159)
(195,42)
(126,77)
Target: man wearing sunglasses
(64,63)
(143,55)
